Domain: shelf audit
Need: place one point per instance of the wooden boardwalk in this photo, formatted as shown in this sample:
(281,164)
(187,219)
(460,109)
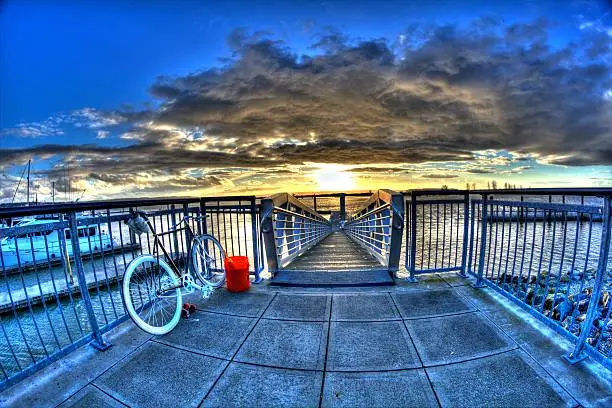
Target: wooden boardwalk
(335,261)
(337,252)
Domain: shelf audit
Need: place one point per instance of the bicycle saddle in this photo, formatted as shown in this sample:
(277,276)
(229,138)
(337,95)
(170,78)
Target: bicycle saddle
(137,222)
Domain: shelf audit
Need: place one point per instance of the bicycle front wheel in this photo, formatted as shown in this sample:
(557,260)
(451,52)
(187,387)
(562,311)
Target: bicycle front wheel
(152,294)
(208,260)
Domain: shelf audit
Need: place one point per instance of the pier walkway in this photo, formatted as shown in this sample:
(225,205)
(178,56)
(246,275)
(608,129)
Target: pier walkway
(337,252)
(436,343)
(419,299)
(335,261)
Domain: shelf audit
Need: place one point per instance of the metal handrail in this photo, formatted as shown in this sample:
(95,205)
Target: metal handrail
(371,212)
(535,253)
(282,216)
(501,242)
(381,215)
(587,192)
(302,216)
(74,263)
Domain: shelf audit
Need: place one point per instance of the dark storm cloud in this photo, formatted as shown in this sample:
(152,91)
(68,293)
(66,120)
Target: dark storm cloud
(447,91)
(587,158)
(481,171)
(134,158)
(439,176)
(358,152)
(438,95)
(121,166)
(131,185)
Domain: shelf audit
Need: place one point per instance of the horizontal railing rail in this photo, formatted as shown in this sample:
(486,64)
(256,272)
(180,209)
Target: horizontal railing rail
(526,192)
(290,228)
(378,227)
(58,208)
(61,271)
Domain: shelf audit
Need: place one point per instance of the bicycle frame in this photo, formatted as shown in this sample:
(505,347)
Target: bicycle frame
(186,280)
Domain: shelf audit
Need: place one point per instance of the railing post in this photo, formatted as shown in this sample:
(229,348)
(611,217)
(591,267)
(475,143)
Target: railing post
(203,215)
(267,228)
(413,233)
(255,236)
(578,353)
(343,206)
(289,232)
(198,223)
(483,241)
(187,237)
(98,341)
(472,237)
(175,232)
(397,231)
(466,220)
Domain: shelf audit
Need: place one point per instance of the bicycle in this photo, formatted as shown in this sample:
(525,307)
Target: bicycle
(153,288)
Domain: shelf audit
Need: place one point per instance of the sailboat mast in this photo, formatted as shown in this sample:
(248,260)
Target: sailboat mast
(28,189)
(18,184)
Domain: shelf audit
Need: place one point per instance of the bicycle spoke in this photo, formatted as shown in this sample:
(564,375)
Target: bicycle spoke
(152,290)
(208,259)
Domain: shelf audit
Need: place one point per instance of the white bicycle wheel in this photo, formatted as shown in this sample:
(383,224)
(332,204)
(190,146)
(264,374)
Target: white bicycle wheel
(208,260)
(152,294)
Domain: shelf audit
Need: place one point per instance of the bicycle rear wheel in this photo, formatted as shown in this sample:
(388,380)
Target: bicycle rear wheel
(208,260)
(152,294)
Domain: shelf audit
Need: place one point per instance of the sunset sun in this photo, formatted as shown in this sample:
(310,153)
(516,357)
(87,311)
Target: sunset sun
(331,177)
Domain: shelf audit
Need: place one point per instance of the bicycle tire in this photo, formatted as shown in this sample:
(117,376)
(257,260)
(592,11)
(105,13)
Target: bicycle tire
(140,280)
(208,263)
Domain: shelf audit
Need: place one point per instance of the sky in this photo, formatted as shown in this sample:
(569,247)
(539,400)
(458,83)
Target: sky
(132,98)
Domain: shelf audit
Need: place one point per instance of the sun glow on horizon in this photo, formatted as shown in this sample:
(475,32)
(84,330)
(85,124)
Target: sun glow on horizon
(334,177)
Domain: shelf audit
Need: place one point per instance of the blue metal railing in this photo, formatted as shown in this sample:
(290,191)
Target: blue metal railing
(553,260)
(377,227)
(61,275)
(547,250)
(436,232)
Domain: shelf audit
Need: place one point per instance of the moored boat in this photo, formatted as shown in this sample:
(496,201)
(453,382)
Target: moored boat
(43,245)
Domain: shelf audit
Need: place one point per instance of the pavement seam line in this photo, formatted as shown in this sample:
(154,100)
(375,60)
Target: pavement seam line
(440,315)
(183,348)
(520,347)
(331,306)
(417,352)
(107,394)
(231,360)
(112,365)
